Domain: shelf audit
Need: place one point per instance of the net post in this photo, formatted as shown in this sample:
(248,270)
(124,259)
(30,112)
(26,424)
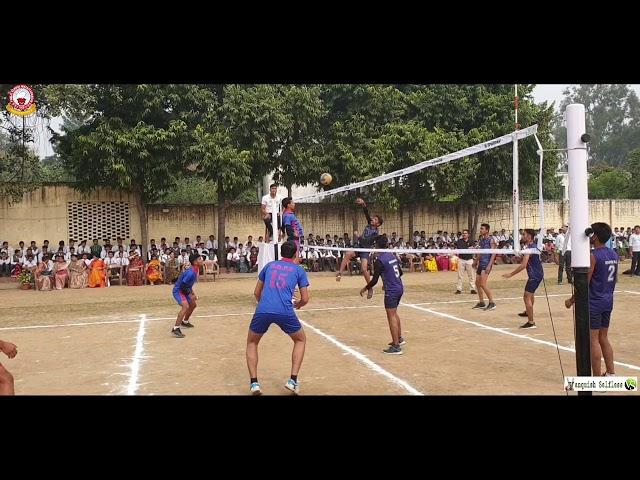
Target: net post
(516,196)
(579,221)
(275,220)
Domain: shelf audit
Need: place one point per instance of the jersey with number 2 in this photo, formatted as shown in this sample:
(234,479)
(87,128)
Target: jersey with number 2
(603,280)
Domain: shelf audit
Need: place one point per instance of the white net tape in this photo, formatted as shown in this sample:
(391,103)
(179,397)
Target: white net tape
(481,147)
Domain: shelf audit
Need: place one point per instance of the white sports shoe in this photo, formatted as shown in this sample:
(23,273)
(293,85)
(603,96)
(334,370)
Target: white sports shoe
(255,389)
(292,386)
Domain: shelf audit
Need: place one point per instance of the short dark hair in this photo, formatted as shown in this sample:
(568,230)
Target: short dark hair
(273,185)
(382,242)
(602,231)
(286,202)
(288,249)
(380,220)
(193,257)
(485,225)
(531,232)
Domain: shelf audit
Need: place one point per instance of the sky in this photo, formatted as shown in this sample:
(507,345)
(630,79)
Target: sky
(542,92)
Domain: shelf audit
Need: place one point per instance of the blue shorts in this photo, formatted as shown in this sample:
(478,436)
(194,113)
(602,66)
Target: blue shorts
(599,320)
(392,300)
(532,285)
(364,255)
(181,297)
(262,321)
(481,268)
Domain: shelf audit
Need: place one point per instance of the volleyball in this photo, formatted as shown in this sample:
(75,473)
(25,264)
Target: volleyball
(326,178)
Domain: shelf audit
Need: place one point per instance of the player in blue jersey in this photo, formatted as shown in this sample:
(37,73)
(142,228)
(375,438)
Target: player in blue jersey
(602,277)
(535,273)
(366,240)
(291,225)
(185,296)
(274,292)
(484,264)
(387,265)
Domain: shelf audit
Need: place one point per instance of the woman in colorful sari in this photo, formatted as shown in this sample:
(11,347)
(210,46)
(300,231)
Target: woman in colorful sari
(154,270)
(172,267)
(44,273)
(78,274)
(430,263)
(61,272)
(135,270)
(98,275)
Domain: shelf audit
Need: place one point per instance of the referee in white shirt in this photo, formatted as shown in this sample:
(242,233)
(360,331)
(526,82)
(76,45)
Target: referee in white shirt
(634,250)
(266,208)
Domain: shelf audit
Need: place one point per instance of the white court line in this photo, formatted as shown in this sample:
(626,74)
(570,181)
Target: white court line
(368,363)
(628,291)
(135,362)
(506,332)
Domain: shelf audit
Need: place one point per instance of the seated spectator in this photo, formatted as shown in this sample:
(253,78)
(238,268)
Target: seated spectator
(135,269)
(253,259)
(232,260)
(172,267)
(154,270)
(183,260)
(430,263)
(44,274)
(78,272)
(30,263)
(61,271)
(114,266)
(5,264)
(98,274)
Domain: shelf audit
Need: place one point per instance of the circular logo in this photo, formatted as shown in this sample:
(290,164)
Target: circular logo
(630,384)
(21,100)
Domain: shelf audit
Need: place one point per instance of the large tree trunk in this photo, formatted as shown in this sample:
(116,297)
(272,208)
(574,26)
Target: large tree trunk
(289,186)
(474,214)
(143,214)
(222,214)
(354,221)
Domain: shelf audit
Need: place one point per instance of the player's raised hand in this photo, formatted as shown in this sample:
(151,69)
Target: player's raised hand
(359,201)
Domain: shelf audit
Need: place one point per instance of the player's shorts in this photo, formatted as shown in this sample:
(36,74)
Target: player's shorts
(363,255)
(599,320)
(262,321)
(181,297)
(392,300)
(532,285)
(482,268)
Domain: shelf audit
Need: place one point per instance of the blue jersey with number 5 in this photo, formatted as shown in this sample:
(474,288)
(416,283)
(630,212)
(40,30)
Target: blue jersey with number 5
(280,280)
(391,273)
(603,280)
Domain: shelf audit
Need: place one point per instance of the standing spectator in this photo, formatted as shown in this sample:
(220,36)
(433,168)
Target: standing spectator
(567,256)
(465,264)
(266,209)
(634,251)
(559,244)
(96,249)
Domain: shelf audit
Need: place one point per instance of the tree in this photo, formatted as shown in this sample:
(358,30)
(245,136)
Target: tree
(131,142)
(613,120)
(633,167)
(610,182)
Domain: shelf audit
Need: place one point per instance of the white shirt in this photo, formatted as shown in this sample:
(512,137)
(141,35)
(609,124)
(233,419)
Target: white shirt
(559,242)
(634,242)
(30,264)
(86,249)
(183,259)
(5,261)
(124,260)
(211,244)
(268,201)
(112,261)
(233,256)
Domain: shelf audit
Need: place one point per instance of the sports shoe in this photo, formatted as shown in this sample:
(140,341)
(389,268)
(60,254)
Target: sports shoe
(522,314)
(479,305)
(255,389)
(458,292)
(177,333)
(491,306)
(187,324)
(292,386)
(393,350)
(473,292)
(529,325)
(402,342)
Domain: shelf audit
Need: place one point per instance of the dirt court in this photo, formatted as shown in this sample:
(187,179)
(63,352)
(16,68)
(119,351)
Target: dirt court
(116,341)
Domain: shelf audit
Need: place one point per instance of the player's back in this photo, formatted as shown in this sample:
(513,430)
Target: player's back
(280,279)
(185,281)
(603,280)
(391,273)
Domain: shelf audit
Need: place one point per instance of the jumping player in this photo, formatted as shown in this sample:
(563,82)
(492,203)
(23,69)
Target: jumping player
(535,273)
(274,292)
(367,240)
(184,294)
(387,265)
(291,225)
